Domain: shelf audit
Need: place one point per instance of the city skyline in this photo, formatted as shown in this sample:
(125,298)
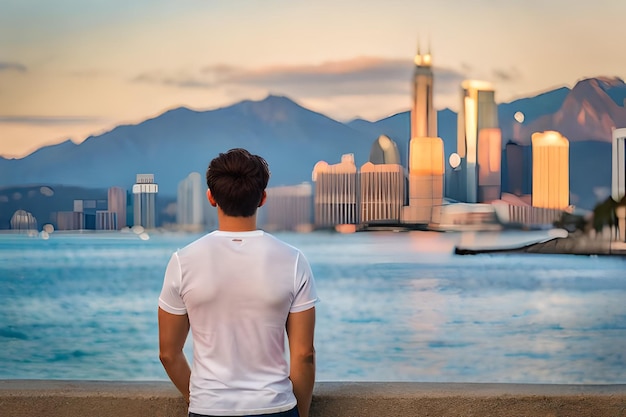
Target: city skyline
(69,70)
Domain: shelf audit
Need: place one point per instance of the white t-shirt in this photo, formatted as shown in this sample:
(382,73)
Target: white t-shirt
(238,289)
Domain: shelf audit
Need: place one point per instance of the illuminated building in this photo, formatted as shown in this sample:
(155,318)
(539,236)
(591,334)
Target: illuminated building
(190,203)
(478,112)
(550,170)
(117,204)
(618,180)
(384,151)
(426,172)
(144,201)
(382,193)
(423,114)
(336,193)
(489,170)
(288,208)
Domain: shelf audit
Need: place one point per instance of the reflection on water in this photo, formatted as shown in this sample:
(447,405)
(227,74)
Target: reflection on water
(395,307)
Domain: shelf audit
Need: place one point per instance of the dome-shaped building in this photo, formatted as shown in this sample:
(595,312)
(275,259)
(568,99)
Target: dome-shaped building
(384,151)
(23,220)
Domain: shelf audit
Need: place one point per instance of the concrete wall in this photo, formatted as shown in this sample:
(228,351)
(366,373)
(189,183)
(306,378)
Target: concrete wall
(21,398)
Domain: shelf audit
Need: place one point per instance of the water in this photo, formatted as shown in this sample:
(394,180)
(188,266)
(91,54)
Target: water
(395,307)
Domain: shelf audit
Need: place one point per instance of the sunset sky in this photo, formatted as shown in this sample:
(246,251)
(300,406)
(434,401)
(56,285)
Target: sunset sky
(72,68)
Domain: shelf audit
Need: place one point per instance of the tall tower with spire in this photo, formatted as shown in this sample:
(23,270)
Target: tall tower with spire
(426,166)
(423,115)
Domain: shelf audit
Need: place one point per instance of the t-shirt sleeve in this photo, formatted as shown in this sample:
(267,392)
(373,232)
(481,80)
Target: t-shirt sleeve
(304,286)
(170,299)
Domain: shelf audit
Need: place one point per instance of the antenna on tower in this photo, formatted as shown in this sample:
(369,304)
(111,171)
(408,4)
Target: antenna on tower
(418,57)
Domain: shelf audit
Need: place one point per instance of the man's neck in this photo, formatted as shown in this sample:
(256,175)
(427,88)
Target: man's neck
(236,224)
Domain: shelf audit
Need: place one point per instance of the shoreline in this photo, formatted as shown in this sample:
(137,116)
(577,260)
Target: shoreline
(71,398)
(569,245)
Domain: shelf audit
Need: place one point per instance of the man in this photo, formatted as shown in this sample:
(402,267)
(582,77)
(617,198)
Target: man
(238,289)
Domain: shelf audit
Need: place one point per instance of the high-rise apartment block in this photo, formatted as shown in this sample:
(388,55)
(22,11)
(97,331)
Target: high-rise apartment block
(288,208)
(550,170)
(106,220)
(618,167)
(381,193)
(336,193)
(144,201)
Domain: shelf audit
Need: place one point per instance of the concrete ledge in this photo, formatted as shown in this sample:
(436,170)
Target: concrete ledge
(21,398)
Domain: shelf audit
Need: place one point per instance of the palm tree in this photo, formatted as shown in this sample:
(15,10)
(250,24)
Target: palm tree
(604,215)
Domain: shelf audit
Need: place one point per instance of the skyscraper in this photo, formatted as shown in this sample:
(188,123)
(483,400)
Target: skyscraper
(144,201)
(489,164)
(517,169)
(618,181)
(190,201)
(423,114)
(550,170)
(478,112)
(426,168)
(117,204)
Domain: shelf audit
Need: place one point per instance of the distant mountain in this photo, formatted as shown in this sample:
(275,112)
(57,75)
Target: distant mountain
(293,139)
(532,108)
(589,111)
(181,140)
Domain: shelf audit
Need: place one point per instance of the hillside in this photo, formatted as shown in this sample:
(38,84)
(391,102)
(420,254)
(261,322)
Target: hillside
(293,139)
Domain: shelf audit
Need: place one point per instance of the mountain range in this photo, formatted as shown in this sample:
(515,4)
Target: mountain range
(293,139)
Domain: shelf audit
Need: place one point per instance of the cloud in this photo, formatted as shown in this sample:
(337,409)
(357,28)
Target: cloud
(180,80)
(356,76)
(12,66)
(48,120)
(507,75)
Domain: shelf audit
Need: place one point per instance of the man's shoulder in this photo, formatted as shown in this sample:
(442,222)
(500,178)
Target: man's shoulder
(197,244)
(280,243)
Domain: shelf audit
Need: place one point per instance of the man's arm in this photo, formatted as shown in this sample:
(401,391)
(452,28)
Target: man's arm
(173,330)
(300,331)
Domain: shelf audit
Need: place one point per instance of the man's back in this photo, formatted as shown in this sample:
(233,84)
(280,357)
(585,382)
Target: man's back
(238,289)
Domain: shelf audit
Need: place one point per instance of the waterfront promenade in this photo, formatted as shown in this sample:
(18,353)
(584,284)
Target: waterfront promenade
(22,398)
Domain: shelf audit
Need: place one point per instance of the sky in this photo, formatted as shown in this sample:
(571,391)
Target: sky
(70,69)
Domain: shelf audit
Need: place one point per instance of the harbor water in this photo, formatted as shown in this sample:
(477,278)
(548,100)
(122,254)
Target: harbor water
(395,307)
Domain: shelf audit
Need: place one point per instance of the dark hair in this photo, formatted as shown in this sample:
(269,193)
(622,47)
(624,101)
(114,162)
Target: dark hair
(237,180)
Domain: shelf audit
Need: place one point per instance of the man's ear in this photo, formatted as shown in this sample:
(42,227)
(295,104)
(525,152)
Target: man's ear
(209,196)
(263,199)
